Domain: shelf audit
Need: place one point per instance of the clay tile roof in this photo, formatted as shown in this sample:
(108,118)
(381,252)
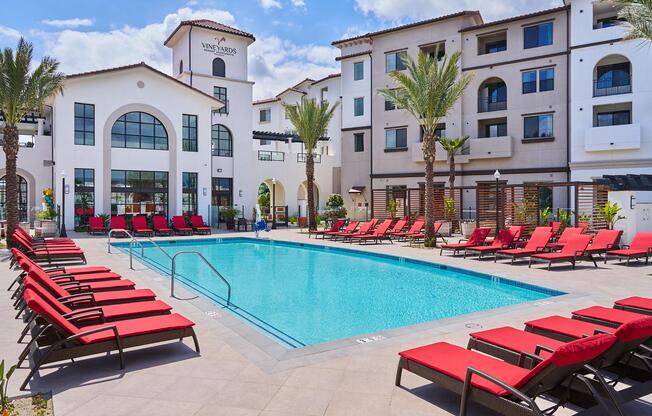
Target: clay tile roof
(327,77)
(209,24)
(515,18)
(410,25)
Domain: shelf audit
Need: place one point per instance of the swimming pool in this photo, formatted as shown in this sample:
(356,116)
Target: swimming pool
(304,294)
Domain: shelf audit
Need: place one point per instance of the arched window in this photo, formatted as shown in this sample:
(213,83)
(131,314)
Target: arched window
(22,199)
(219,68)
(222,141)
(181,66)
(138,130)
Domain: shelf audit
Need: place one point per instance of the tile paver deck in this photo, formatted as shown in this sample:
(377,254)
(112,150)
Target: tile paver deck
(235,376)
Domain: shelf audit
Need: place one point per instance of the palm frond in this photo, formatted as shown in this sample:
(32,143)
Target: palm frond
(310,119)
(452,144)
(638,14)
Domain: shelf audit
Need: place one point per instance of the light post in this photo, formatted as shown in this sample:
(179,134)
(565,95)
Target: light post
(273,203)
(497,177)
(62,232)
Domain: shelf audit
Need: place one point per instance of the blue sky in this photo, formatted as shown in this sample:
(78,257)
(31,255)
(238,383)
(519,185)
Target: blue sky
(293,36)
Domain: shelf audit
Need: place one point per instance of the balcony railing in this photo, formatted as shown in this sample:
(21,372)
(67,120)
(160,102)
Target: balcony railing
(301,157)
(605,88)
(271,156)
(485,104)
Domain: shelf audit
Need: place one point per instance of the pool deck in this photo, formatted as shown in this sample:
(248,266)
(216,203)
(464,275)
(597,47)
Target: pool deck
(241,372)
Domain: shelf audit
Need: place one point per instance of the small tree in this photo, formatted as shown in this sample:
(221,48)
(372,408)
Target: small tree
(452,146)
(638,13)
(610,213)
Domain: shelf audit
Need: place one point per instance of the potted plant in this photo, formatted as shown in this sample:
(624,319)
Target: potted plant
(544,216)
(564,217)
(391,207)
(229,217)
(610,213)
(450,213)
(584,220)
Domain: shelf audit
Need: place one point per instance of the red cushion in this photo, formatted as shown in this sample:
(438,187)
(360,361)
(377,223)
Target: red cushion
(552,256)
(89,269)
(626,252)
(123,295)
(40,307)
(615,316)
(43,279)
(581,350)
(485,248)
(566,326)
(516,251)
(453,361)
(110,285)
(138,326)
(641,241)
(516,340)
(93,277)
(135,308)
(636,302)
(458,245)
(638,329)
(47,296)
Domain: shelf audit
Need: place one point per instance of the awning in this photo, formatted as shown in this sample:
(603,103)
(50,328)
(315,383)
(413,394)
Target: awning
(356,189)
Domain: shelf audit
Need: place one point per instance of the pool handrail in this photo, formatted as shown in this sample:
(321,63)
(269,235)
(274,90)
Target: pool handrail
(142,249)
(117,230)
(201,256)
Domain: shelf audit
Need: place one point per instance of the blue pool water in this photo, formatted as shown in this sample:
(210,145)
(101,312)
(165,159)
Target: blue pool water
(304,294)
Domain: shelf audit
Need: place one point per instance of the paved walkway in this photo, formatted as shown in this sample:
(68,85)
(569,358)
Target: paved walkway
(229,379)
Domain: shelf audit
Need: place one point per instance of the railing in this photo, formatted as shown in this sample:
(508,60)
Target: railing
(605,88)
(271,156)
(174,258)
(142,250)
(108,235)
(486,104)
(302,157)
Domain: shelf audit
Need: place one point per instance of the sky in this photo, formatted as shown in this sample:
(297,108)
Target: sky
(293,36)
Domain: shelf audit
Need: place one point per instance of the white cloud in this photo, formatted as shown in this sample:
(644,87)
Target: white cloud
(298,3)
(9,32)
(268,4)
(395,10)
(68,23)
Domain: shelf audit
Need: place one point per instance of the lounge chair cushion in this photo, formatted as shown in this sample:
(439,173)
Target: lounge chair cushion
(93,277)
(635,302)
(110,285)
(516,340)
(569,327)
(138,326)
(135,308)
(628,252)
(83,270)
(614,316)
(123,295)
(638,329)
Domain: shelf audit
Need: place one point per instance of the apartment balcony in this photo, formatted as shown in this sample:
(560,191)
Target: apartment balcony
(440,156)
(608,138)
(603,89)
(271,156)
(486,105)
(490,147)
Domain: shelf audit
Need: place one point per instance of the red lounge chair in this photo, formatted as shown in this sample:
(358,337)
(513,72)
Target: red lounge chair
(27,265)
(565,235)
(74,286)
(364,229)
(641,246)
(198,225)
(565,329)
(96,225)
(635,304)
(556,227)
(477,238)
(421,235)
(414,230)
(74,342)
(31,245)
(349,229)
(608,316)
(65,270)
(335,227)
(161,225)
(179,225)
(92,298)
(50,255)
(379,234)
(505,388)
(573,251)
(118,225)
(536,244)
(44,241)
(603,241)
(517,230)
(398,227)
(501,242)
(140,227)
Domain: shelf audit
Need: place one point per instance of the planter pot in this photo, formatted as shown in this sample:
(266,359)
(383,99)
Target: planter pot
(446,228)
(468,228)
(230,224)
(48,228)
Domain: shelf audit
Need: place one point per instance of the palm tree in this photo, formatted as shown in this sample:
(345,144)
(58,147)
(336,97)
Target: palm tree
(310,119)
(638,13)
(21,92)
(451,146)
(428,91)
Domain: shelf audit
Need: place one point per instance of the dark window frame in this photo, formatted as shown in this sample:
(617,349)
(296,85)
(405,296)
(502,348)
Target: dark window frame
(612,114)
(398,141)
(358,71)
(219,68)
(222,94)
(189,198)
(539,120)
(84,189)
(537,38)
(528,87)
(220,145)
(358,101)
(189,133)
(81,135)
(126,185)
(159,137)
(398,63)
(358,142)
(266,119)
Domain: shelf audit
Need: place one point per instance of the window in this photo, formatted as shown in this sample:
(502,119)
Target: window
(496,129)
(189,193)
(495,46)
(84,196)
(606,22)
(136,192)
(394,61)
(492,43)
(537,126)
(396,138)
(221,141)
(358,71)
(138,130)
(22,199)
(358,142)
(435,51)
(222,194)
(546,79)
(614,118)
(189,132)
(537,35)
(85,124)
(615,75)
(265,115)
(219,67)
(440,131)
(264,142)
(529,81)
(323,95)
(358,106)
(221,94)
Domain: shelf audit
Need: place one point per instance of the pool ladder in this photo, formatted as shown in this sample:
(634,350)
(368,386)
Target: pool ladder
(172,259)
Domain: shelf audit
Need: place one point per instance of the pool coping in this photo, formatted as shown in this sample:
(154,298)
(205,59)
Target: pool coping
(268,354)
